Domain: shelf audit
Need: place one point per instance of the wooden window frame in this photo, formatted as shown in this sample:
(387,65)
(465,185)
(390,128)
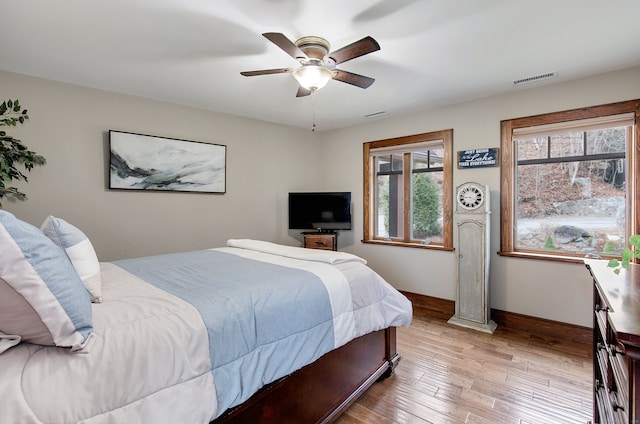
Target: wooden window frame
(446,136)
(509,164)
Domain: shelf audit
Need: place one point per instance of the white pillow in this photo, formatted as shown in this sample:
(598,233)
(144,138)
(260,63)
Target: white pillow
(42,299)
(80,252)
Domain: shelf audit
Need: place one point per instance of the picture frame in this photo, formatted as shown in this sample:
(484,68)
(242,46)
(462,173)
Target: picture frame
(153,163)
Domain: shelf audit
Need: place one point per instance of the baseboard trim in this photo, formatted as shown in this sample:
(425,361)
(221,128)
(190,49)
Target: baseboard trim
(431,306)
(547,327)
(445,309)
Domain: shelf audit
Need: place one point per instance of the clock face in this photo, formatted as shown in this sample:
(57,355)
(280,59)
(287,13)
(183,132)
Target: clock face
(470,196)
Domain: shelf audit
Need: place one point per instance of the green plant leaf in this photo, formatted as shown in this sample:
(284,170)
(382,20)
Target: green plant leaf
(14,154)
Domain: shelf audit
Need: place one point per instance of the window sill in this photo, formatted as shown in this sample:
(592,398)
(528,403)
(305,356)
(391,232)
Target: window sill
(546,257)
(413,245)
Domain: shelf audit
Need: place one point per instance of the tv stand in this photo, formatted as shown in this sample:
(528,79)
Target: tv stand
(324,240)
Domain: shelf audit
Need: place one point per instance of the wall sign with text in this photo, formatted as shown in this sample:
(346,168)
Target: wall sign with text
(478,158)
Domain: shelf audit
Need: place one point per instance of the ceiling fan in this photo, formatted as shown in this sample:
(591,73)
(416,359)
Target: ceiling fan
(317,65)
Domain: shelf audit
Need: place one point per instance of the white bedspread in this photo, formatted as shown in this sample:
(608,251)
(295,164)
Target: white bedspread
(316,255)
(150,361)
(148,364)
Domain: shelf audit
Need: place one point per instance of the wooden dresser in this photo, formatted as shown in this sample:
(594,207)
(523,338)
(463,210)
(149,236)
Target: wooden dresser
(324,241)
(616,343)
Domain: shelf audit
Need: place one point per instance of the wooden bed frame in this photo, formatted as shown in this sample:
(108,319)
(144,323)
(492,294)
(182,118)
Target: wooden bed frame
(322,390)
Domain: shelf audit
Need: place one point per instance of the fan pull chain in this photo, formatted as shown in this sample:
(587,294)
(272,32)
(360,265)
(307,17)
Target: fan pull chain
(313,106)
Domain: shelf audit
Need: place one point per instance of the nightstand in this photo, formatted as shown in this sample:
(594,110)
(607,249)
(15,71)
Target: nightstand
(323,241)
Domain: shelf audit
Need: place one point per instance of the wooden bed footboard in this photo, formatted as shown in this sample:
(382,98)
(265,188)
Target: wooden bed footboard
(322,390)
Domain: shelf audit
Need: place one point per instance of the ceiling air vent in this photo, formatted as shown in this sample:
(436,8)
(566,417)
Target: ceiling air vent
(376,114)
(535,78)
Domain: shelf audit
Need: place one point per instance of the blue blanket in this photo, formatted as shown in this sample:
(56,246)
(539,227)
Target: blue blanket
(264,321)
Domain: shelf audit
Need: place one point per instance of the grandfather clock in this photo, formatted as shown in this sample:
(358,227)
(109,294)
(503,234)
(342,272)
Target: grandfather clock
(472,260)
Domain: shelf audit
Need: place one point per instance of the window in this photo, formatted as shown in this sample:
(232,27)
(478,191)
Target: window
(569,182)
(408,186)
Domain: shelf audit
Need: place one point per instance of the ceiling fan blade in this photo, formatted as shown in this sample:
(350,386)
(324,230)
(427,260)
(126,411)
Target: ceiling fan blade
(353,79)
(359,48)
(303,92)
(285,44)
(266,72)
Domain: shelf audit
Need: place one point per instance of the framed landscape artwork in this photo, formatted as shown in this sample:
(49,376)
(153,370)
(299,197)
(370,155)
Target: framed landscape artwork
(145,162)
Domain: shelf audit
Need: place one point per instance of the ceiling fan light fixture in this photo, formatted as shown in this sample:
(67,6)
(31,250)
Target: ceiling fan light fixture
(312,77)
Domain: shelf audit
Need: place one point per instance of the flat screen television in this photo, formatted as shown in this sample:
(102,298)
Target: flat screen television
(321,211)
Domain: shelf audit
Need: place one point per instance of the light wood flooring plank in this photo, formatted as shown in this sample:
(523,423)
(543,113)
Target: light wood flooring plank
(453,375)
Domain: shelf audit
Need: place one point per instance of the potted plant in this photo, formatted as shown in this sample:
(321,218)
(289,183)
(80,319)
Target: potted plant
(628,254)
(13,154)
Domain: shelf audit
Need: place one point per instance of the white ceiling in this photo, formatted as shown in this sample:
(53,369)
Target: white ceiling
(433,52)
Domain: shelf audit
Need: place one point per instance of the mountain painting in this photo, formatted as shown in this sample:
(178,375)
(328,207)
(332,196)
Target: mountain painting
(144,162)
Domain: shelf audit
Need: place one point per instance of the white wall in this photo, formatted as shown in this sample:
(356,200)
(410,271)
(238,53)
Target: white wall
(556,291)
(69,126)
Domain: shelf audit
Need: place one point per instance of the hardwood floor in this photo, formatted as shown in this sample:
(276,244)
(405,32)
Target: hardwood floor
(449,374)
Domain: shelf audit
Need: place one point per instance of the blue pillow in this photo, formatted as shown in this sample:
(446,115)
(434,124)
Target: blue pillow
(42,298)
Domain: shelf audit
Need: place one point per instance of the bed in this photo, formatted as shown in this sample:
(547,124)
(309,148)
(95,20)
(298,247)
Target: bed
(249,332)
